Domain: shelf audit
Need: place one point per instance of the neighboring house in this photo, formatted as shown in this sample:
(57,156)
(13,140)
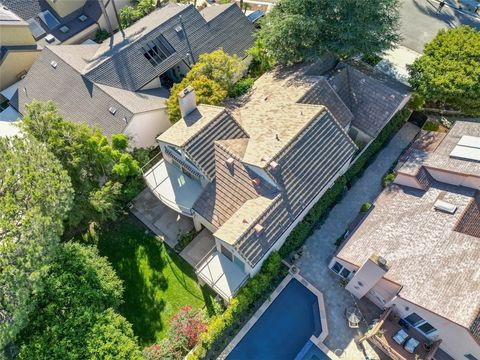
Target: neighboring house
(18,49)
(122,84)
(417,252)
(250,173)
(66,21)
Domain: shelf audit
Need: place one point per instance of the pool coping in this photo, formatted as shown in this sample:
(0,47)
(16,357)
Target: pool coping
(317,340)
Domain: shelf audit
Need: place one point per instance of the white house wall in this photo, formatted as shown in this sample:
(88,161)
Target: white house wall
(454,178)
(456,340)
(144,128)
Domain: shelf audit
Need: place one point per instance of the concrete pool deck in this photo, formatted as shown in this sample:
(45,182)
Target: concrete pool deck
(317,340)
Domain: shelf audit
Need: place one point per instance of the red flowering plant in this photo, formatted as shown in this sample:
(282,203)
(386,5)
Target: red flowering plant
(185,328)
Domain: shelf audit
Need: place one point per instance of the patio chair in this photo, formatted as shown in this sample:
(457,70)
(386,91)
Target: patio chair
(411,345)
(400,336)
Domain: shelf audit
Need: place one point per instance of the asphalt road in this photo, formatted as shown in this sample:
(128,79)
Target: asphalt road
(420,21)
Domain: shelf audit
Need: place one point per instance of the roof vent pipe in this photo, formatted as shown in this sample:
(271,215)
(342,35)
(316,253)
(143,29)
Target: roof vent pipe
(256,182)
(187,101)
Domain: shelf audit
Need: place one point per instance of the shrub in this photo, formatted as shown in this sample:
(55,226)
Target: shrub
(101,35)
(241,87)
(184,239)
(431,126)
(388,179)
(186,326)
(365,207)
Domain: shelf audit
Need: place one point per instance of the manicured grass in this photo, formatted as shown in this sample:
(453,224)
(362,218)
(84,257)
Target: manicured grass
(157,281)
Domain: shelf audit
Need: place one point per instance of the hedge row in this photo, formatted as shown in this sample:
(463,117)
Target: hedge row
(222,328)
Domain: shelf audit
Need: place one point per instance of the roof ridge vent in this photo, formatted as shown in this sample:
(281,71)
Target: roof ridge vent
(445,206)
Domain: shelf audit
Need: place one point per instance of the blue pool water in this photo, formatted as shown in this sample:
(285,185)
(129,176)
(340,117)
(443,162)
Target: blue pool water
(284,329)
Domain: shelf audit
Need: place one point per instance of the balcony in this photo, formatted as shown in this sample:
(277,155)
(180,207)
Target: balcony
(381,335)
(222,275)
(175,189)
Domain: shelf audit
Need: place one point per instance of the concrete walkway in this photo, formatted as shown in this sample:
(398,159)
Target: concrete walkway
(319,248)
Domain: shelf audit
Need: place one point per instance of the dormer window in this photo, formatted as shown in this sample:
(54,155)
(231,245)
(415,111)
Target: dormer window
(157,50)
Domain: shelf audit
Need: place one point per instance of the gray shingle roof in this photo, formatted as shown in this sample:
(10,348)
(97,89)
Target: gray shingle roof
(322,93)
(77,98)
(120,61)
(372,98)
(27,9)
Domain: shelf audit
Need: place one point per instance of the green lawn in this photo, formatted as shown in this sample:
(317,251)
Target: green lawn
(157,281)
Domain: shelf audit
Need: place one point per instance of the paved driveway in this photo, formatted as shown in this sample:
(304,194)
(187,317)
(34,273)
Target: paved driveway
(320,247)
(420,21)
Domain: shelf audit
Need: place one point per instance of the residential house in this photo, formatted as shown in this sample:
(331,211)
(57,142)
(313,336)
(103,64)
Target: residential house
(417,252)
(122,84)
(249,173)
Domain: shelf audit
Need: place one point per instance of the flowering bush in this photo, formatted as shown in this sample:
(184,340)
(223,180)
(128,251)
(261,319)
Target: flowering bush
(185,329)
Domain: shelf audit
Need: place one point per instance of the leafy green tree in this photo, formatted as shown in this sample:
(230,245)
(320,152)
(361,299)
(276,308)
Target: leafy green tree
(212,77)
(74,317)
(448,72)
(262,60)
(130,14)
(207,91)
(303,30)
(103,175)
(35,196)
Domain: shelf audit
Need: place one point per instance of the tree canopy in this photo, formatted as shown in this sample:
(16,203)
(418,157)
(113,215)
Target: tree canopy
(129,14)
(212,77)
(74,316)
(35,196)
(303,30)
(103,174)
(448,72)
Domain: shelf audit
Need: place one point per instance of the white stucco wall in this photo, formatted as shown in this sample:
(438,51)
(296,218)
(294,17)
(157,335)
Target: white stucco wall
(144,128)
(455,179)
(407,180)
(456,340)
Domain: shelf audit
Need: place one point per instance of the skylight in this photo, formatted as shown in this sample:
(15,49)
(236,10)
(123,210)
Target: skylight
(468,148)
(157,50)
(49,20)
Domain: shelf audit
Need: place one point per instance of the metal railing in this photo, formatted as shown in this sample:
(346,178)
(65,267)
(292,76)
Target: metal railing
(151,163)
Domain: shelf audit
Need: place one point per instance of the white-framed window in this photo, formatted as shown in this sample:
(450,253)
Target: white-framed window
(420,324)
(339,269)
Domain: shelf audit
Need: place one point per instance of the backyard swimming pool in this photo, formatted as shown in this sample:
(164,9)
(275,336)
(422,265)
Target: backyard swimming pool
(284,329)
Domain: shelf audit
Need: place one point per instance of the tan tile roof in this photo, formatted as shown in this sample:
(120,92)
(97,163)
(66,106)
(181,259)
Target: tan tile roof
(436,265)
(185,129)
(437,156)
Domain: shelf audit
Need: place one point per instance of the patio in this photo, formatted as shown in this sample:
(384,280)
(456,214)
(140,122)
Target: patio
(381,335)
(159,218)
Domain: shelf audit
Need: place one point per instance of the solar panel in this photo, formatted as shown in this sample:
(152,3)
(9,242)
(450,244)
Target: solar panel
(35,28)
